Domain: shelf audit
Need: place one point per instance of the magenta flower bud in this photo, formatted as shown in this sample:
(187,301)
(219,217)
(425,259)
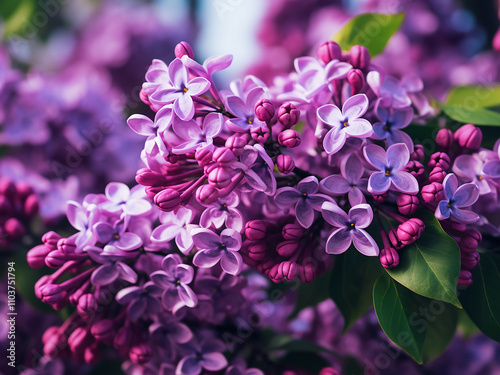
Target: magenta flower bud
(31,205)
(381,198)
(36,256)
(359,57)
(329,371)
(292,232)
(144,97)
(433,192)
(418,153)
(42,281)
(220,177)
(407,204)
(50,333)
(289,138)
(103,330)
(287,248)
(439,159)
(308,272)
(470,240)
(264,110)
(285,163)
(52,294)
(50,239)
(437,175)
(266,266)
(464,278)
(7,188)
(410,231)
(123,339)
(328,51)
(183,49)
(93,354)
(236,143)
(256,230)
(415,168)
(356,79)
(470,260)
(51,348)
(24,190)
(288,115)
(288,270)
(5,206)
(395,241)
(260,134)
(87,304)
(151,191)
(469,136)
(444,139)
(79,339)
(456,227)
(55,259)
(257,251)
(14,228)
(496,41)
(207,194)
(140,354)
(203,156)
(224,155)
(168,199)
(66,246)
(389,258)
(147,177)
(275,275)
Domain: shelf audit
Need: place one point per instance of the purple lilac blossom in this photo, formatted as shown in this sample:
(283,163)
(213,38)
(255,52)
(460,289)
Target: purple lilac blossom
(457,198)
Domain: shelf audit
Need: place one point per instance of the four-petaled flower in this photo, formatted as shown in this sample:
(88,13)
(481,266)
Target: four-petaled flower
(130,202)
(457,198)
(350,229)
(244,110)
(176,224)
(204,355)
(116,238)
(140,300)
(391,122)
(391,166)
(223,210)
(345,123)
(470,168)
(196,137)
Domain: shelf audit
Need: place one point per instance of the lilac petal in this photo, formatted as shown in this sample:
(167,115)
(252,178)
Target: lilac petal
(76,215)
(361,215)
(339,241)
(164,233)
(380,130)
(467,166)
(179,332)
(128,241)
(234,220)
(238,124)
(231,239)
(308,185)
(287,196)
(334,140)
(231,262)
(397,156)
(401,118)
(188,366)
(356,197)
(492,168)
(170,262)
(365,244)
(170,298)
(197,86)
(212,124)
(450,184)
(165,96)
(104,232)
(466,195)
(184,107)
(352,169)
(237,106)
(126,295)
(164,118)
(136,207)
(177,73)
(334,215)
(359,128)
(142,125)
(126,273)
(330,114)
(187,130)
(405,182)
(305,63)
(399,136)
(137,309)
(254,96)
(184,273)
(375,155)
(217,63)
(187,296)
(184,241)
(163,279)
(316,201)
(213,361)
(207,258)
(383,114)
(256,182)
(117,192)
(336,69)
(336,184)
(205,239)
(304,213)
(379,183)
(443,210)
(355,106)
(105,274)
(464,216)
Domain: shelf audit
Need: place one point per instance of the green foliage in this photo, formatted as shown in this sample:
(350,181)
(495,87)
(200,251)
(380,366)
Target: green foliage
(15,14)
(371,30)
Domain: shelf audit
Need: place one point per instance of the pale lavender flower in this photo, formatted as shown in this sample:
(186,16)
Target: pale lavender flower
(215,248)
(391,166)
(83,220)
(350,229)
(223,211)
(345,123)
(204,355)
(390,123)
(470,168)
(140,300)
(305,198)
(121,198)
(110,270)
(176,224)
(196,137)
(457,199)
(258,169)
(390,90)
(244,110)
(116,238)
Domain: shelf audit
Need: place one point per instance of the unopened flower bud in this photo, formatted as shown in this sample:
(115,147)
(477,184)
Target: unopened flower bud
(439,159)
(288,115)
(308,272)
(329,51)
(433,192)
(469,136)
(50,239)
(470,240)
(79,339)
(203,156)
(289,138)
(418,153)
(223,155)
(220,177)
(147,177)
(285,163)
(103,330)
(7,188)
(415,168)
(292,232)
(437,175)
(31,205)
(465,278)
(5,206)
(236,143)
(55,259)
(257,251)
(207,194)
(93,354)
(144,97)
(356,79)
(359,57)
(288,270)
(183,49)
(469,260)
(123,339)
(52,294)
(393,238)
(67,245)
(264,110)
(87,305)
(36,256)
(287,248)
(407,204)
(389,258)
(380,198)
(168,199)
(260,134)
(274,274)
(140,354)
(410,231)
(444,139)
(14,228)
(256,230)
(24,190)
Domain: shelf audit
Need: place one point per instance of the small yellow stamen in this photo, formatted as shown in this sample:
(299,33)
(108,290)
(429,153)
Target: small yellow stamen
(250,120)
(185,89)
(346,124)
(116,236)
(480,178)
(178,282)
(352,225)
(387,173)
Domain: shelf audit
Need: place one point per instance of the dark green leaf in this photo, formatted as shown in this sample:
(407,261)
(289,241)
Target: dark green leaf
(16,14)
(371,30)
(443,319)
(476,116)
(310,294)
(351,366)
(351,284)
(481,300)
(480,96)
(430,266)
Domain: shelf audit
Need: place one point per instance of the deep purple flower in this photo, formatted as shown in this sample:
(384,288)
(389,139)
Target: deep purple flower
(204,355)
(304,197)
(345,123)
(349,182)
(456,200)
(223,211)
(215,248)
(170,332)
(174,280)
(141,300)
(391,166)
(390,123)
(180,90)
(470,168)
(121,198)
(349,229)
(244,110)
(196,137)
(176,224)
(116,238)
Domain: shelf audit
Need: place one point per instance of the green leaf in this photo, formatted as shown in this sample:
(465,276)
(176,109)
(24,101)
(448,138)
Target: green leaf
(371,30)
(476,116)
(421,326)
(351,281)
(310,294)
(16,14)
(481,300)
(431,265)
(480,96)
